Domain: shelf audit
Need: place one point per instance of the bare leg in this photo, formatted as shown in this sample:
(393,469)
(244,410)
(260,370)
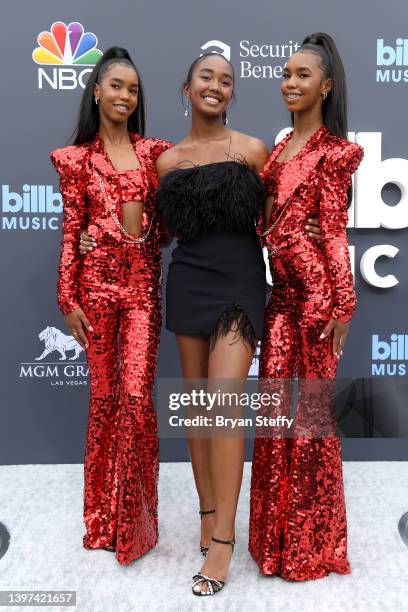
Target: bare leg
(194,352)
(230,359)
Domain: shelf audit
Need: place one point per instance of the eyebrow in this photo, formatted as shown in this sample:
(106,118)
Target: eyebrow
(301,68)
(113,78)
(225,74)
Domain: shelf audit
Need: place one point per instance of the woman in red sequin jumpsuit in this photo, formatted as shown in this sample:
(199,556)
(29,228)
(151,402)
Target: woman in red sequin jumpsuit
(111,301)
(298,518)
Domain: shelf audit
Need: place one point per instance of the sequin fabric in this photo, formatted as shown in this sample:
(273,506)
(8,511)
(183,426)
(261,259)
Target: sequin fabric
(298,526)
(118,286)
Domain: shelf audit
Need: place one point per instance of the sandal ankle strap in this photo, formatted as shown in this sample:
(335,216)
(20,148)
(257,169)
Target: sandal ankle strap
(203,512)
(232,542)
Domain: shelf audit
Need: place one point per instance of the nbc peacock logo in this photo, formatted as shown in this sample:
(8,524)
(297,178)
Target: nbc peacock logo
(61,52)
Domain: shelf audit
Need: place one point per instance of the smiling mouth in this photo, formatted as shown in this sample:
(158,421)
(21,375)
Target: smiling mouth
(292,96)
(122,108)
(212,100)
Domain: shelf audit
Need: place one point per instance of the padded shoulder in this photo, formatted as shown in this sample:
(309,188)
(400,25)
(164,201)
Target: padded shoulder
(345,155)
(69,159)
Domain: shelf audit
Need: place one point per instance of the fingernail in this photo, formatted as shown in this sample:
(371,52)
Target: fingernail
(90,328)
(307,226)
(321,336)
(341,353)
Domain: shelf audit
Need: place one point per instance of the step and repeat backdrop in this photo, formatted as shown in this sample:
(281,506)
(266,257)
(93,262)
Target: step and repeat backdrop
(48,51)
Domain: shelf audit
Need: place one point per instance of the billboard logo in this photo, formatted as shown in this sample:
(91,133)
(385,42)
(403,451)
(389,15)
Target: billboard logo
(55,372)
(395,56)
(39,208)
(65,45)
(217,46)
(388,355)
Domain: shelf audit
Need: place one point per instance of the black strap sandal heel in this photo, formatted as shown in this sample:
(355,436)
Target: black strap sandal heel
(213,585)
(204,549)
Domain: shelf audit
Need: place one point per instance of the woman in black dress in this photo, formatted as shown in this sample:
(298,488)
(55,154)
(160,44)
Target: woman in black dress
(210,195)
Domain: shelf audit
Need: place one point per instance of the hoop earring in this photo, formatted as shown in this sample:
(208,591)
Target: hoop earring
(96,101)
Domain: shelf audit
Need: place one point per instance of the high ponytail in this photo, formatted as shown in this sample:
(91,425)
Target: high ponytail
(88,118)
(335,105)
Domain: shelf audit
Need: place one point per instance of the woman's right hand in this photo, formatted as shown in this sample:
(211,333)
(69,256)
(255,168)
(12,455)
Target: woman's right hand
(86,243)
(78,324)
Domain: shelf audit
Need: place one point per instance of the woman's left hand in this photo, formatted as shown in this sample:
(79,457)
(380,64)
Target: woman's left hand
(340,331)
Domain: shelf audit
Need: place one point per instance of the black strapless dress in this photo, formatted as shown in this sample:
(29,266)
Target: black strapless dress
(216,279)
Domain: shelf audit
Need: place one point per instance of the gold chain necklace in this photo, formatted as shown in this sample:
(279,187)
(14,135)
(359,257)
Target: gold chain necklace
(271,227)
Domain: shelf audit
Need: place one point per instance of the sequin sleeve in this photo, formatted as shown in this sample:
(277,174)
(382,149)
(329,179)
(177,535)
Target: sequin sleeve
(158,146)
(335,180)
(266,177)
(69,164)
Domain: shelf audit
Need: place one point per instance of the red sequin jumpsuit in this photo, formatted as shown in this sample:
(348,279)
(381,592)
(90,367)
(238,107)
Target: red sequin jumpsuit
(118,287)
(297,519)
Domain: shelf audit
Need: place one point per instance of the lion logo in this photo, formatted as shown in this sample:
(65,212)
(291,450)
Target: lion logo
(55,340)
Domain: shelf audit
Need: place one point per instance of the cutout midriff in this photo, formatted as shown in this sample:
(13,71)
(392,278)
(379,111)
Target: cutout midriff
(132,217)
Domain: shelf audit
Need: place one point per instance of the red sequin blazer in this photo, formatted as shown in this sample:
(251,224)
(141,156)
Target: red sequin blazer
(315,184)
(81,169)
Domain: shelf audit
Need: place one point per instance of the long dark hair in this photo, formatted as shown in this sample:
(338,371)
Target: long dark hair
(335,105)
(187,80)
(88,118)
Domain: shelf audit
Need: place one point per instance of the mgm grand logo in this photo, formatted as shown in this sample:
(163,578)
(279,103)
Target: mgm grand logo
(51,364)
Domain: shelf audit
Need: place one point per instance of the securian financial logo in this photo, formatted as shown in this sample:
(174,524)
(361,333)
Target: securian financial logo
(63,46)
(217,46)
(69,45)
(257,60)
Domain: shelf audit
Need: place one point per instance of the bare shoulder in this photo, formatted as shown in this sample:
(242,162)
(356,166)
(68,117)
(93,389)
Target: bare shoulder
(167,160)
(253,149)
(179,155)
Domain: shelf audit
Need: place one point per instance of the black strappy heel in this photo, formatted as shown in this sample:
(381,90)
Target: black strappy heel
(213,584)
(204,549)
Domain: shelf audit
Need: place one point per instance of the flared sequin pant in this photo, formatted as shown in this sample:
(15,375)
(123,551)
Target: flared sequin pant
(120,294)
(297,516)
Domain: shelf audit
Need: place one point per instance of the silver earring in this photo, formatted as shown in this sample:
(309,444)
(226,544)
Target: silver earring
(96,101)
(226,122)
(324,95)
(187,108)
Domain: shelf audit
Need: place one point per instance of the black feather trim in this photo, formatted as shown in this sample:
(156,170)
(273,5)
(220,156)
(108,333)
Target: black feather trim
(222,197)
